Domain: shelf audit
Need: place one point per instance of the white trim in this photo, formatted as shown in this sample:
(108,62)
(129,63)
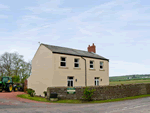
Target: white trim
(91,64)
(62,61)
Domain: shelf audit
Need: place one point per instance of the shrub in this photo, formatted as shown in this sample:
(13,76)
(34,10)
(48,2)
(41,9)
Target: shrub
(87,94)
(45,93)
(31,92)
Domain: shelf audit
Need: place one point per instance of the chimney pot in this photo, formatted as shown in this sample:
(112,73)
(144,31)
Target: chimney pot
(92,48)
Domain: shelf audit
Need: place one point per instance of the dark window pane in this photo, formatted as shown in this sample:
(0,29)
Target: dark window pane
(63,59)
(101,67)
(63,64)
(91,66)
(76,65)
(95,83)
(68,83)
(72,83)
(91,62)
(76,60)
(70,77)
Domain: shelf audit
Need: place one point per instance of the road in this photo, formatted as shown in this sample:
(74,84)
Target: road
(9,103)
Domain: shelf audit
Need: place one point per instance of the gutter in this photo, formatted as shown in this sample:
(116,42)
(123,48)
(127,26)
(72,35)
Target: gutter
(85,71)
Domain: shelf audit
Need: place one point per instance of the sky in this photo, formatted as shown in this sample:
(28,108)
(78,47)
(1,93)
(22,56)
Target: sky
(120,29)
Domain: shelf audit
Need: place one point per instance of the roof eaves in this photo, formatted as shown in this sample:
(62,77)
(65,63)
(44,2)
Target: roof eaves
(81,56)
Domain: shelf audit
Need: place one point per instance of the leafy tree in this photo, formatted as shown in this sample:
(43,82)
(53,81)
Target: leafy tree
(16,78)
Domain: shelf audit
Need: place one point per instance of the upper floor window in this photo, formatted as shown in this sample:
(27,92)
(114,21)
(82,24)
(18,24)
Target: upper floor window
(76,62)
(91,65)
(101,65)
(63,61)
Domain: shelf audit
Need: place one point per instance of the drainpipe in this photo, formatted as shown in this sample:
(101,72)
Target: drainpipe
(85,72)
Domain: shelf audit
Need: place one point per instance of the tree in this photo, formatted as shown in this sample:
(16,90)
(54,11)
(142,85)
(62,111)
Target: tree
(6,63)
(13,64)
(17,62)
(2,70)
(25,70)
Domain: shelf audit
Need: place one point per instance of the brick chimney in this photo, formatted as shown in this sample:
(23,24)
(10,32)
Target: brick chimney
(92,48)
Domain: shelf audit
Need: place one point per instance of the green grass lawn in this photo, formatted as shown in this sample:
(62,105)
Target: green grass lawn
(26,96)
(129,82)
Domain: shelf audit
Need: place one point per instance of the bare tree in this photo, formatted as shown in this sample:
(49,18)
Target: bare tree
(25,70)
(17,62)
(2,70)
(13,64)
(6,62)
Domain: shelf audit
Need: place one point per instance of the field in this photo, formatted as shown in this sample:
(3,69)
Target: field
(129,82)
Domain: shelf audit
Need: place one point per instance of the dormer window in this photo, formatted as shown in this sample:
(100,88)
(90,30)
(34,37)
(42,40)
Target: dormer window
(63,62)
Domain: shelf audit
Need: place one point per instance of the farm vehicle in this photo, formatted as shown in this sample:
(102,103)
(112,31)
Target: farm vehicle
(7,84)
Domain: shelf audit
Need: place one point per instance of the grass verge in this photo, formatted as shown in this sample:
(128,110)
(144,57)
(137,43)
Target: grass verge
(26,96)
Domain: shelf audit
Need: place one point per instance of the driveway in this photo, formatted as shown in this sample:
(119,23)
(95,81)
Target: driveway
(9,103)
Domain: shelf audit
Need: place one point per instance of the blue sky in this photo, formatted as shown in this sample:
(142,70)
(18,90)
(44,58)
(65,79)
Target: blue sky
(120,29)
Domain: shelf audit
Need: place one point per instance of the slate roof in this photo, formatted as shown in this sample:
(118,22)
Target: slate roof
(75,52)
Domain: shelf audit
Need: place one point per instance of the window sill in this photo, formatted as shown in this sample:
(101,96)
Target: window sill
(101,70)
(61,67)
(92,69)
(77,68)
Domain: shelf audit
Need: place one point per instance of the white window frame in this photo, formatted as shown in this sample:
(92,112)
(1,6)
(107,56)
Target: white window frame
(69,80)
(63,61)
(91,64)
(97,81)
(102,65)
(76,62)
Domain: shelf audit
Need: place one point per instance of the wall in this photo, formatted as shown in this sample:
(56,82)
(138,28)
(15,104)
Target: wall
(42,70)
(61,73)
(103,92)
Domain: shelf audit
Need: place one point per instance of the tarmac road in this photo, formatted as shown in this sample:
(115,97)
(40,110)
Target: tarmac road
(9,103)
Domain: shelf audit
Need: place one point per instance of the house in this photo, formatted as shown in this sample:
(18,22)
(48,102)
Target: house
(54,66)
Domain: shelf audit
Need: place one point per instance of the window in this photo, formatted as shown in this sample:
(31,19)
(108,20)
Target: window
(76,62)
(96,81)
(63,61)
(101,65)
(91,65)
(70,81)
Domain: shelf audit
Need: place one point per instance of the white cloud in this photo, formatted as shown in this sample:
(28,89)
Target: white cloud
(52,6)
(118,68)
(3,16)
(3,6)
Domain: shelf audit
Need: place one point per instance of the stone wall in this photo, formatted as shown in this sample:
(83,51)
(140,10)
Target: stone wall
(103,92)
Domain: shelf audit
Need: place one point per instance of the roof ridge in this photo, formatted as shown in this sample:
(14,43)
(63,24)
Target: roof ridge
(71,51)
(66,47)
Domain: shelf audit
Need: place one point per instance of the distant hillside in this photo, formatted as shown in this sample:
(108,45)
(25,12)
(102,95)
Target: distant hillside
(129,77)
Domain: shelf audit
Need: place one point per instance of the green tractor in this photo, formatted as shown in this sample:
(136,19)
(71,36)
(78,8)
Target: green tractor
(7,84)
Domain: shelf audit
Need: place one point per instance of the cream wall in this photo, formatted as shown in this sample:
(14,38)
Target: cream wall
(61,73)
(97,72)
(42,70)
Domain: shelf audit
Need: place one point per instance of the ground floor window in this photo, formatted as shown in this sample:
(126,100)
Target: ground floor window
(96,81)
(70,81)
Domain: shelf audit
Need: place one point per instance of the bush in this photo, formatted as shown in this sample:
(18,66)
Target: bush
(88,94)
(31,92)
(45,93)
